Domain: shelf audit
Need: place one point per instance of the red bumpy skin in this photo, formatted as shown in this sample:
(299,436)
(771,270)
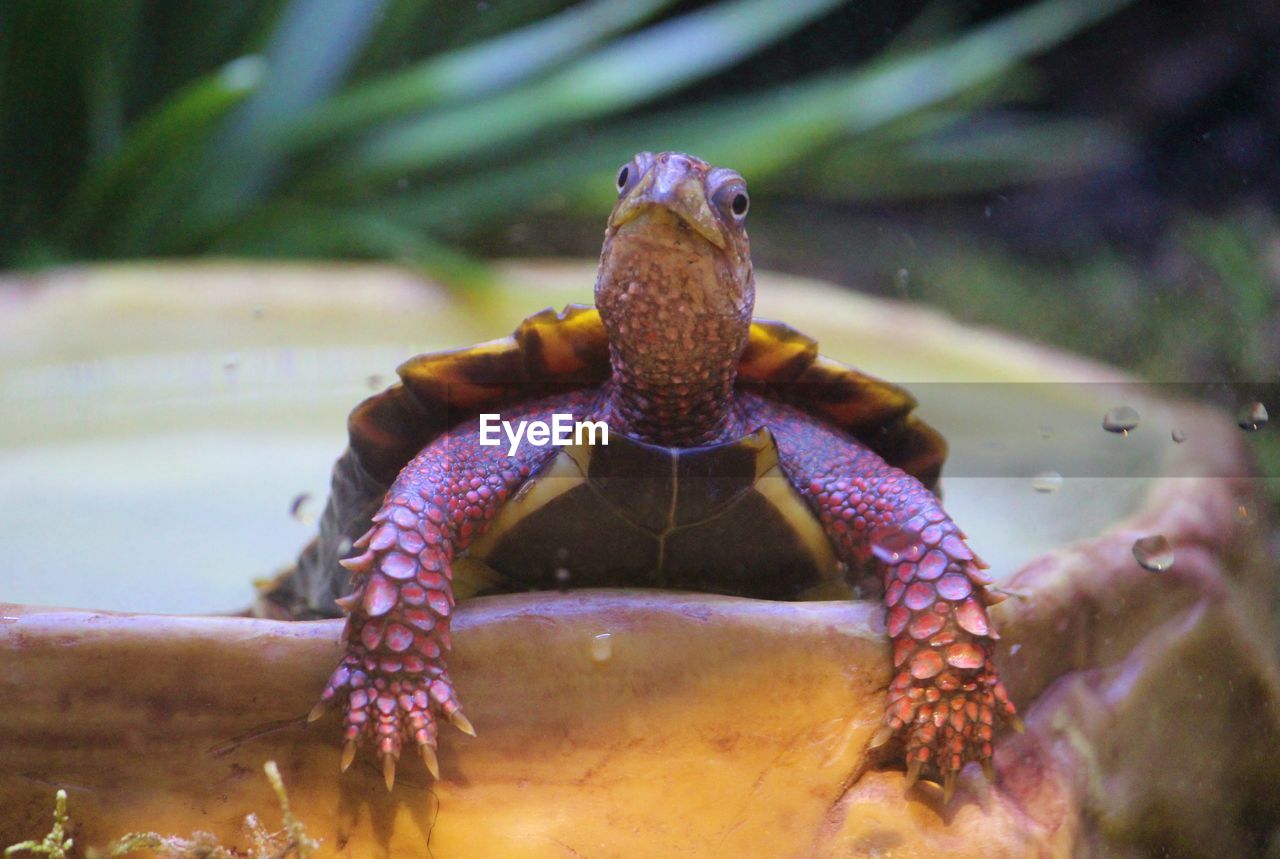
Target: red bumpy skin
(945,697)
(675,294)
(393,678)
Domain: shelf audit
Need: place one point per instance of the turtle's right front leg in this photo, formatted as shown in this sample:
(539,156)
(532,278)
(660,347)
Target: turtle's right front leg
(393,676)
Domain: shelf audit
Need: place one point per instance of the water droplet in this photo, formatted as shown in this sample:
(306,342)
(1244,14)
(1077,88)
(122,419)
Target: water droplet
(602,647)
(1178,436)
(1120,420)
(375,381)
(1153,553)
(259,311)
(344,547)
(563,578)
(1047,481)
(1252,417)
(902,280)
(1013,649)
(230,363)
(301,508)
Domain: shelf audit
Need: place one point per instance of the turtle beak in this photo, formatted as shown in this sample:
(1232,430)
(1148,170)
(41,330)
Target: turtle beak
(679,192)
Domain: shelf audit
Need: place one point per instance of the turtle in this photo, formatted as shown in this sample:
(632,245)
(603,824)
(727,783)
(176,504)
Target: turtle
(710,451)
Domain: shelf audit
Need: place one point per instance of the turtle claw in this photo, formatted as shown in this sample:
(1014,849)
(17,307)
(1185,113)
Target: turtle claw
(948,785)
(989,770)
(993,597)
(348,755)
(429,758)
(317,711)
(1015,721)
(358,564)
(392,711)
(462,723)
(389,770)
(913,773)
(882,736)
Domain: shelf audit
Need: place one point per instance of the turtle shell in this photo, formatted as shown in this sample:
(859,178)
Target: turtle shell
(676,519)
(552,352)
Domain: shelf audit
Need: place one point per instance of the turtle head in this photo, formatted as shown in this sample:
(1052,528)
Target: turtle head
(675,288)
(687,220)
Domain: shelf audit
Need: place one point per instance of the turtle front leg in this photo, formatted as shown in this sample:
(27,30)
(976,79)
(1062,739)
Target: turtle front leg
(945,697)
(393,679)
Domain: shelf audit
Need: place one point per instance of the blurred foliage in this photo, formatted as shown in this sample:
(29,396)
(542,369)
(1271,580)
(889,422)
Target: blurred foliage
(398,128)
(1202,308)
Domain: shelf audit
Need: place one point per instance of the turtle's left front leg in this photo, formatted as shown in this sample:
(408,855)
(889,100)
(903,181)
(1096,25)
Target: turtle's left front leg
(393,682)
(945,697)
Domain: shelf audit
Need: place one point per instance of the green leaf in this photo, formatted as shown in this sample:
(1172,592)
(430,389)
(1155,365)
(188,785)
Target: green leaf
(135,184)
(112,30)
(471,72)
(314,44)
(761,133)
(633,70)
(948,159)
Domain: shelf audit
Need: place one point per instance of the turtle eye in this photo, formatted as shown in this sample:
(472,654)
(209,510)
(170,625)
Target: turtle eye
(630,174)
(733,201)
(626,177)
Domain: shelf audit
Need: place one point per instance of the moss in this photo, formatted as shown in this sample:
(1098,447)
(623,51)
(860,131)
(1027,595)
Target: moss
(289,841)
(55,844)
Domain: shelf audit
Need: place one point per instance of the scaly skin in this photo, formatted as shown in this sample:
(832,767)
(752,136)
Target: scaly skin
(945,696)
(393,679)
(675,293)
